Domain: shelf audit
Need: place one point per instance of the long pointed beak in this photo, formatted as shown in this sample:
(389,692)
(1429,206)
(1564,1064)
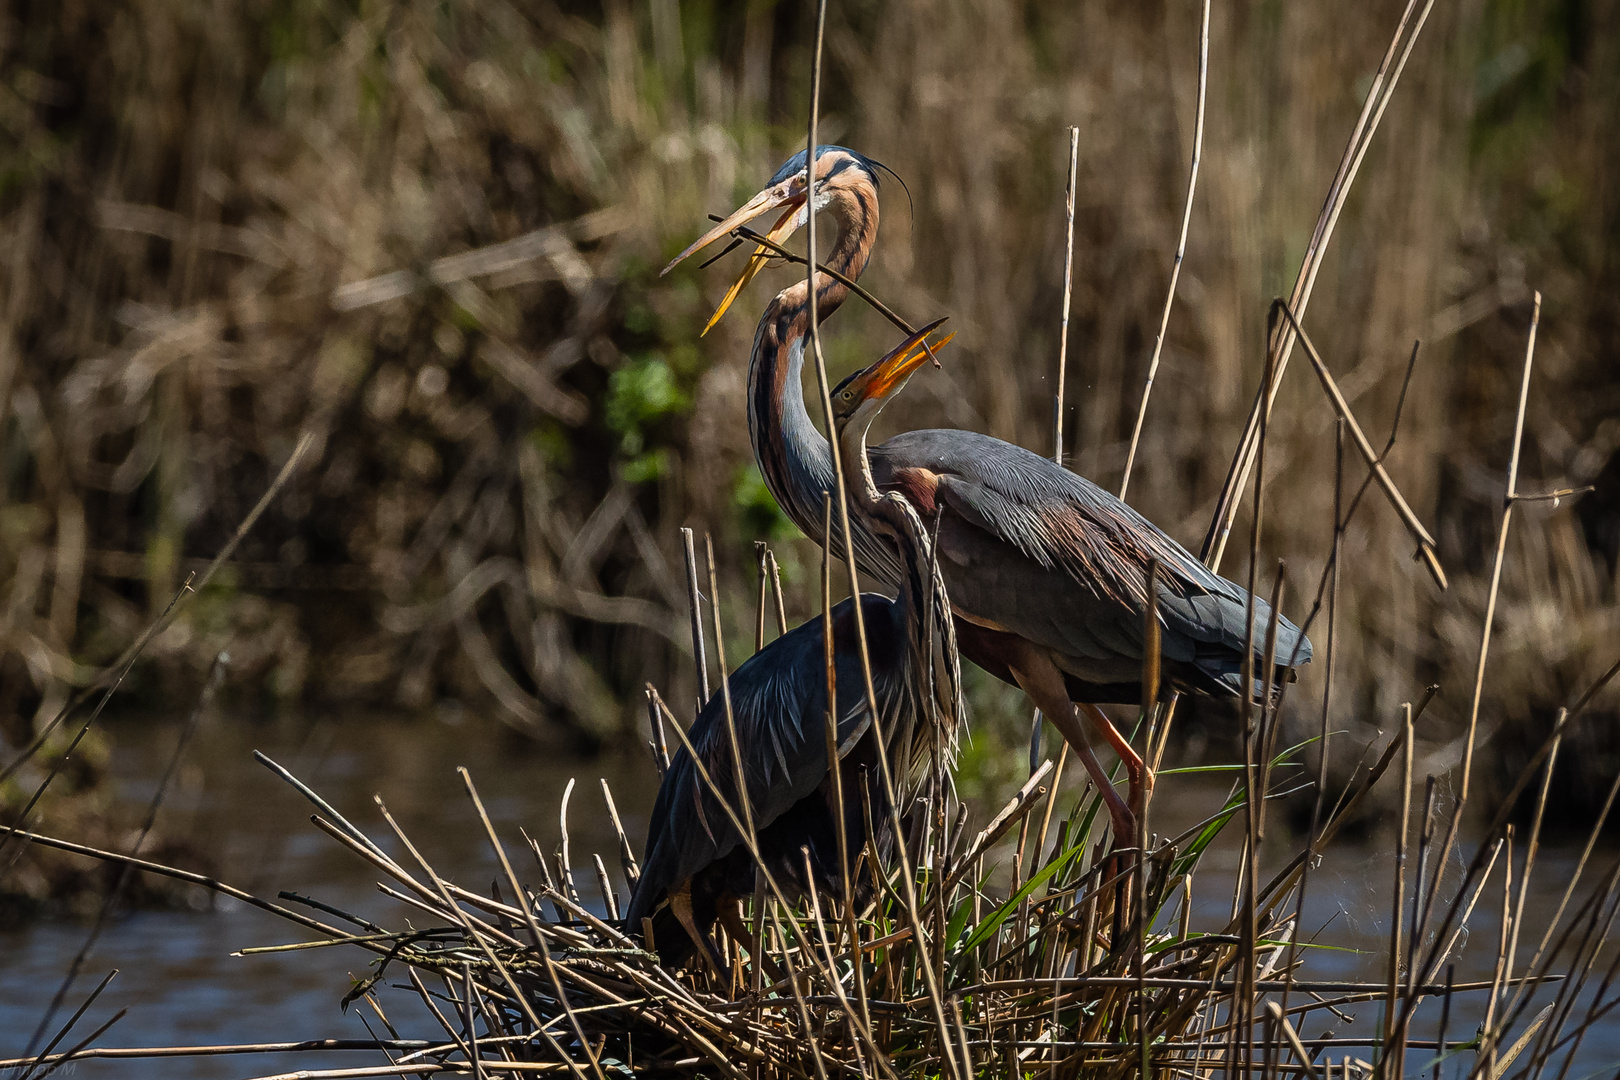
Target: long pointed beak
(772,197)
(789,193)
(891,372)
(785,226)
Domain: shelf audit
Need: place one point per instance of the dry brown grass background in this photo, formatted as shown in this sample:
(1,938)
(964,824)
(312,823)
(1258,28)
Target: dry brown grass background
(200,205)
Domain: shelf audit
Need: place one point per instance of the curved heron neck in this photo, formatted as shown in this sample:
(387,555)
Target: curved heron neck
(888,516)
(793,455)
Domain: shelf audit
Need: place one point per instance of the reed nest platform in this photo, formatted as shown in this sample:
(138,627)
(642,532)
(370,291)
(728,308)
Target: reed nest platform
(1085,966)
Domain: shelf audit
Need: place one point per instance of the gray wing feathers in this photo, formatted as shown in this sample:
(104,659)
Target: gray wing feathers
(1061,522)
(778,701)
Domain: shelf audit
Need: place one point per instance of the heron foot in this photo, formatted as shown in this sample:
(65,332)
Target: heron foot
(680,902)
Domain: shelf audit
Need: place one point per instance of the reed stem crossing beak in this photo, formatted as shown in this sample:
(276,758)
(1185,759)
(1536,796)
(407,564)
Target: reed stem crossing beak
(891,372)
(789,194)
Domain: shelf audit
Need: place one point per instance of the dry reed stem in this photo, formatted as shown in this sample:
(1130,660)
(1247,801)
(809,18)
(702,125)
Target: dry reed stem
(1398,903)
(743,798)
(1280,346)
(1068,295)
(112,677)
(694,600)
(1501,549)
(1181,250)
(1426,546)
(907,877)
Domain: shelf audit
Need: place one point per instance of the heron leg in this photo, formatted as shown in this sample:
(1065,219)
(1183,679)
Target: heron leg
(680,903)
(1140,776)
(1043,682)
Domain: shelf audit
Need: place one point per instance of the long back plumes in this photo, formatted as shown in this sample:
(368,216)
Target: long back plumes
(933,673)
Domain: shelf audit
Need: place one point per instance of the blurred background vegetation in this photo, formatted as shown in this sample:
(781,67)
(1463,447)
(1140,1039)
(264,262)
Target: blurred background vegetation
(429,234)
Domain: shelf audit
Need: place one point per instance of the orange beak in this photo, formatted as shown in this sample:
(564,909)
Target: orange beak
(891,372)
(790,194)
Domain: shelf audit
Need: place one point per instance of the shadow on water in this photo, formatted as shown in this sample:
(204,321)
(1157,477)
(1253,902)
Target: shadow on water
(182,986)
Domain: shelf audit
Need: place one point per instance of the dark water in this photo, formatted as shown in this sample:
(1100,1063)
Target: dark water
(181,985)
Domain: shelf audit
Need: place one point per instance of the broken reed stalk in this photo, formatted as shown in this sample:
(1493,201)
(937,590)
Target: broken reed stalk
(764,587)
(776,589)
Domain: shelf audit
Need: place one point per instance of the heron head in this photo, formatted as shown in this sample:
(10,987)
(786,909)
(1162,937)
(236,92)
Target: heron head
(789,192)
(860,397)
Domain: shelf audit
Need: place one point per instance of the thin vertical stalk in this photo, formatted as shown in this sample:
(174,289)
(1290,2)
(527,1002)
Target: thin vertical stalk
(1487,1051)
(1280,344)
(1425,840)
(1068,294)
(1249,931)
(1511,1010)
(776,590)
(1324,737)
(743,797)
(1509,498)
(764,587)
(1150,696)
(1445,1020)
(1501,546)
(907,874)
(1392,1056)
(694,600)
(660,743)
(835,771)
(1530,852)
(1181,249)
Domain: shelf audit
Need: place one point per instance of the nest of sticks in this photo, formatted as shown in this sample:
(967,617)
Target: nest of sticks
(1087,965)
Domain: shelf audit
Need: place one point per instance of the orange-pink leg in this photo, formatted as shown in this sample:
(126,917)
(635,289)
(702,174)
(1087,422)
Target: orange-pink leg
(1043,682)
(1140,777)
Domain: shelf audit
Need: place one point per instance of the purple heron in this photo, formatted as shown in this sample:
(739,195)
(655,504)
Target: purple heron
(1046,571)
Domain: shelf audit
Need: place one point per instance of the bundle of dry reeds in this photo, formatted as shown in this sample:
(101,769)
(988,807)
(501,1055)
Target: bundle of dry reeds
(1089,965)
